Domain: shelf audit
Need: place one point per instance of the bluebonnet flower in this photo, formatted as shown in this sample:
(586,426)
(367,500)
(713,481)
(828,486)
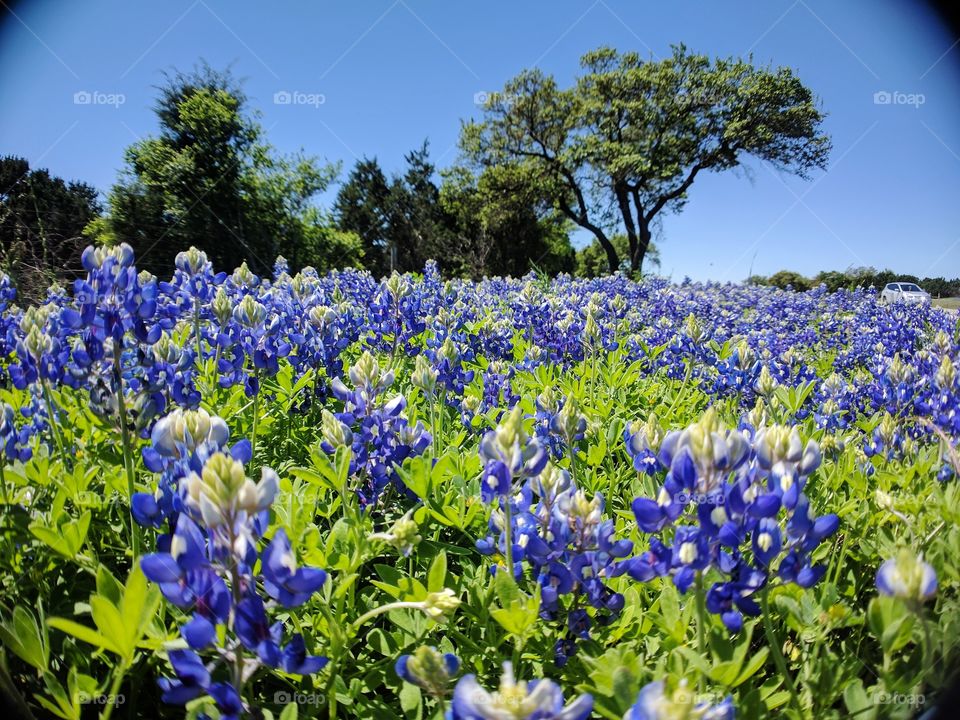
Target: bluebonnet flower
(283,580)
(180,443)
(643,443)
(553,527)
(193,678)
(395,316)
(736,507)
(376,429)
(429,669)
(207,565)
(907,577)
(654,703)
(508,453)
(536,700)
(13,442)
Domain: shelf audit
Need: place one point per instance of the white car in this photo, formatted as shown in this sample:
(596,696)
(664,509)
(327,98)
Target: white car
(905,292)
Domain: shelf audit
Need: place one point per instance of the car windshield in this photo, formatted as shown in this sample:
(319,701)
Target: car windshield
(910,287)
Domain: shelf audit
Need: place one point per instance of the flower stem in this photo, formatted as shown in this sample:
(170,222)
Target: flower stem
(701,623)
(433,427)
(54,428)
(196,331)
(118,674)
(127,453)
(256,418)
(508,530)
(927,648)
(366,617)
(3,482)
(775,650)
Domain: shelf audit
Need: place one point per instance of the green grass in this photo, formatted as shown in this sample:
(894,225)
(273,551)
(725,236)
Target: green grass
(949,303)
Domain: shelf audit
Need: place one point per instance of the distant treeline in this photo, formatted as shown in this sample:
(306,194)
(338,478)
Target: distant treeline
(860,277)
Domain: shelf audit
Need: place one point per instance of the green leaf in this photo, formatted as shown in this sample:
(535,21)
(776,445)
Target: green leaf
(25,638)
(289,712)
(437,576)
(82,632)
(410,697)
(506,589)
(756,661)
(108,585)
(109,622)
(856,699)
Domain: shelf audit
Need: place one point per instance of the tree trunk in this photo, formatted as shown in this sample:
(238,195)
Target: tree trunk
(581,219)
(636,258)
(623,202)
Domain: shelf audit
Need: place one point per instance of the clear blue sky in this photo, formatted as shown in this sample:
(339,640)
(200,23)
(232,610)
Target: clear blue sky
(392,73)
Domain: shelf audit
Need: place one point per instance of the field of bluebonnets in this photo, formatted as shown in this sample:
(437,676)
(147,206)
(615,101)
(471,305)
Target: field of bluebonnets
(331,496)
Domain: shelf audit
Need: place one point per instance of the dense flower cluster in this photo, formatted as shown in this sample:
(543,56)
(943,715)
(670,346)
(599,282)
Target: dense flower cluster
(732,504)
(731,515)
(218,516)
(374,427)
(544,522)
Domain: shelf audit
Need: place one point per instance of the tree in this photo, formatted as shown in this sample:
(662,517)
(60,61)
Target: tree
(400,221)
(627,141)
(41,225)
(210,179)
(501,226)
(419,228)
(361,208)
(592,259)
(788,279)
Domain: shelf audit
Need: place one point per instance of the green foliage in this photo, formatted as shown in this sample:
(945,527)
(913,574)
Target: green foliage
(491,224)
(857,277)
(787,279)
(42,218)
(501,225)
(592,260)
(210,179)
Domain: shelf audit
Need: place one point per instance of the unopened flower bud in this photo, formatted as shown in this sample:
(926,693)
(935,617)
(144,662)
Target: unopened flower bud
(440,606)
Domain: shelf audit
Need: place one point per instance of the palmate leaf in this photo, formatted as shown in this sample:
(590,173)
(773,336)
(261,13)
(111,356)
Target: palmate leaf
(120,626)
(66,538)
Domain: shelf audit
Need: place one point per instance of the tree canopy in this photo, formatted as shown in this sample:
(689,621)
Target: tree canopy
(626,142)
(42,218)
(470,225)
(210,179)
